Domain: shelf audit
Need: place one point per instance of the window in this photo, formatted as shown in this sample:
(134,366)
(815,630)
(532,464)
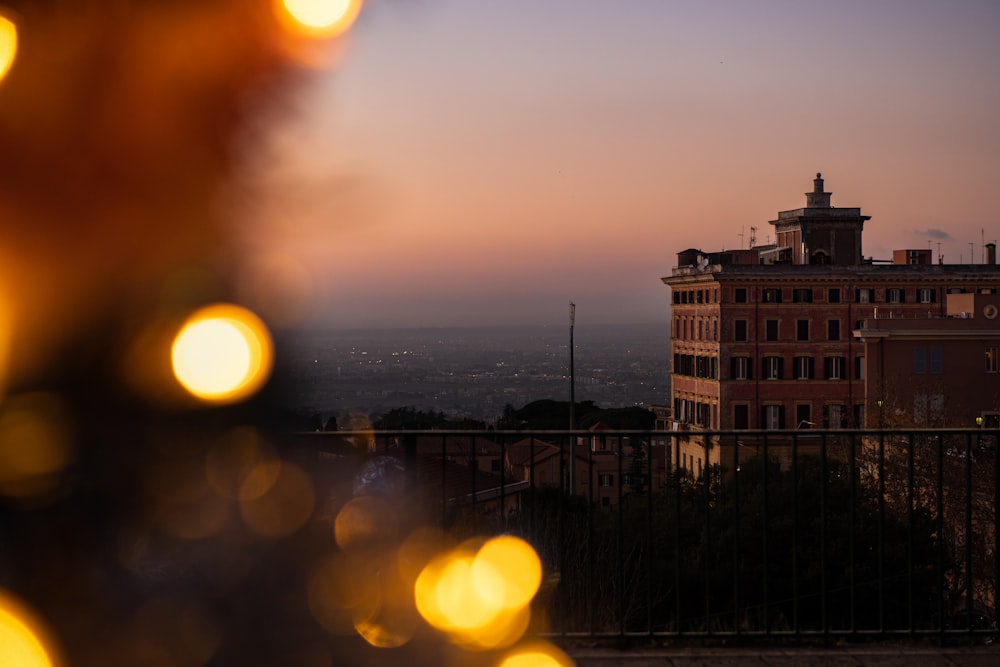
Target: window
(864,295)
(937,360)
(991,360)
(919,360)
(773,416)
(803,416)
(928,409)
(700,296)
(740,295)
(741,416)
(740,332)
(833,416)
(772,368)
(772,295)
(703,414)
(606,479)
(894,295)
(803,368)
(802,330)
(741,368)
(715,329)
(833,295)
(926,295)
(833,368)
(859,368)
(771,330)
(800,295)
(833,330)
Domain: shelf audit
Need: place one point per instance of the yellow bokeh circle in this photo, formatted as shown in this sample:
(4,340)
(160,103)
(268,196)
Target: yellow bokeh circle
(8,45)
(222,354)
(480,595)
(318,18)
(23,642)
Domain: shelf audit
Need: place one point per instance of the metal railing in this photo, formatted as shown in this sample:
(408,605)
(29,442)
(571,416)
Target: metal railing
(723,533)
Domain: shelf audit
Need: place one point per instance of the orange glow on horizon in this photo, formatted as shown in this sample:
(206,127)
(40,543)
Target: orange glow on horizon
(318,18)
(222,354)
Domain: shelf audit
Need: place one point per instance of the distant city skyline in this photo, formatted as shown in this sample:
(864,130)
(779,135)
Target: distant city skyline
(473,163)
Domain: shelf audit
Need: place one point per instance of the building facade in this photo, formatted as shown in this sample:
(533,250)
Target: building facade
(763,338)
(935,373)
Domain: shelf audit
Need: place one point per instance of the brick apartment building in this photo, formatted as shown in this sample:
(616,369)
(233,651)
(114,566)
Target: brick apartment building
(765,337)
(935,372)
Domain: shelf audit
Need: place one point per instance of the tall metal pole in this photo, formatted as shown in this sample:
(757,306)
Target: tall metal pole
(572,403)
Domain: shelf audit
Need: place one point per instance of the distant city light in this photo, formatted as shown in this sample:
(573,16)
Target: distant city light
(222,354)
(320,18)
(8,45)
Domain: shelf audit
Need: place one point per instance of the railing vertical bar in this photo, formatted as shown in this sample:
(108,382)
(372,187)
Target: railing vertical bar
(910,500)
(736,505)
(969,587)
(591,607)
(940,534)
(562,532)
(708,544)
(677,532)
(996,524)
(763,538)
(503,488)
(444,484)
(649,536)
(824,625)
(851,565)
(531,486)
(795,536)
(881,533)
(475,479)
(620,547)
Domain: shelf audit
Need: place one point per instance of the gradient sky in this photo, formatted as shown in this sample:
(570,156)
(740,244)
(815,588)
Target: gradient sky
(478,162)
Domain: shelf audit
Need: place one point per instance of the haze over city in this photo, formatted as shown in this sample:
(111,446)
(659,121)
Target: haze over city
(472,163)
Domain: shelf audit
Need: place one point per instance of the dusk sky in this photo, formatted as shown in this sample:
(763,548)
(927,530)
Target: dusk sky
(474,162)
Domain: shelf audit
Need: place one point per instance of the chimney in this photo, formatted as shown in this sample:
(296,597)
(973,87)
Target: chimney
(991,253)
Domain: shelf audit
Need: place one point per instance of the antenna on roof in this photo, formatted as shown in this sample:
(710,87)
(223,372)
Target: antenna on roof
(753,237)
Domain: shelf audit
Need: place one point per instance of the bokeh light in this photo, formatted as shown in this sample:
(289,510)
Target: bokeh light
(8,45)
(480,596)
(319,18)
(222,354)
(521,567)
(22,639)
(536,654)
(242,464)
(277,499)
(36,444)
